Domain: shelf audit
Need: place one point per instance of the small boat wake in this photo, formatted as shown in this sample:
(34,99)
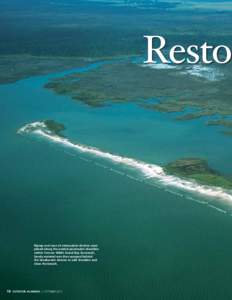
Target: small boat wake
(152,173)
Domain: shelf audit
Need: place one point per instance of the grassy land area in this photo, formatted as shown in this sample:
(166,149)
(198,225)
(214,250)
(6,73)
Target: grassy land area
(198,170)
(55,127)
(175,89)
(39,37)
(95,29)
(16,67)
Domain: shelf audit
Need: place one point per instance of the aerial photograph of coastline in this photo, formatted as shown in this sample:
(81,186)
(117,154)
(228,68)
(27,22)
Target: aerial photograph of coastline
(116,174)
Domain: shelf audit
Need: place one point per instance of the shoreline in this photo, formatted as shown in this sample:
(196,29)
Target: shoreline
(149,171)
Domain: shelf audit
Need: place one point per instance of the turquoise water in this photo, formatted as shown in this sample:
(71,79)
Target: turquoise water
(153,244)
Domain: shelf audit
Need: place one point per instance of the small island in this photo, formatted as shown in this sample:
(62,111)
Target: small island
(198,170)
(54,127)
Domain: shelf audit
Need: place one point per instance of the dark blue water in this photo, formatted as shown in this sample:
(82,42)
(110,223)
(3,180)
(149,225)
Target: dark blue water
(153,244)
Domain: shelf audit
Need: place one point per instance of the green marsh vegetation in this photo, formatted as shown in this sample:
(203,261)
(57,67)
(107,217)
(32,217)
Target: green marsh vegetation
(174,89)
(41,37)
(54,127)
(94,29)
(198,170)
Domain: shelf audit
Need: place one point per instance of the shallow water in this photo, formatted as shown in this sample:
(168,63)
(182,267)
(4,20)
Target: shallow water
(154,242)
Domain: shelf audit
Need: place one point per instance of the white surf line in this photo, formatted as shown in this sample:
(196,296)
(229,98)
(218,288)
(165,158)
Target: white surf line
(85,159)
(196,200)
(150,171)
(71,154)
(117,172)
(202,202)
(101,165)
(151,184)
(218,209)
(131,177)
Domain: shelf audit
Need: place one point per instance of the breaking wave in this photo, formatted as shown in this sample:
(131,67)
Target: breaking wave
(150,171)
